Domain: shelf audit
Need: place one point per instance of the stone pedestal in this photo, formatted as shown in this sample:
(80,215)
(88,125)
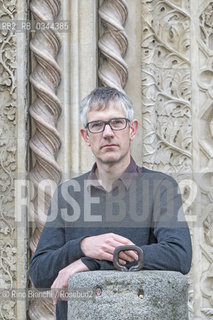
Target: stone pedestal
(128,295)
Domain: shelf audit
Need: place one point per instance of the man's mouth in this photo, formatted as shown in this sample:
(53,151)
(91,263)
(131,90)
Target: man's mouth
(109,146)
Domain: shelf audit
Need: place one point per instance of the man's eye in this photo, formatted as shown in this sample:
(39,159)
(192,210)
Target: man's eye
(96,125)
(117,122)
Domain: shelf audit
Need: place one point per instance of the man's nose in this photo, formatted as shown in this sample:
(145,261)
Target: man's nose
(108,131)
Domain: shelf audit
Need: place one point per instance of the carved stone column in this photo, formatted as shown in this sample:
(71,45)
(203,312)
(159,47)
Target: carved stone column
(78,62)
(45,112)
(113,44)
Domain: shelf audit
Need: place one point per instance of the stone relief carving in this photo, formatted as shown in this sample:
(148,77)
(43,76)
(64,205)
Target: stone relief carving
(7,158)
(7,276)
(113,43)
(206,25)
(205,84)
(166,89)
(208,228)
(206,246)
(167,113)
(45,112)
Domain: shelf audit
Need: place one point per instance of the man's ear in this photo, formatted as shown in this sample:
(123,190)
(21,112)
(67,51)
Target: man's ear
(133,129)
(84,135)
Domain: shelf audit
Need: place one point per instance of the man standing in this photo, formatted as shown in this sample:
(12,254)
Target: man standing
(117,203)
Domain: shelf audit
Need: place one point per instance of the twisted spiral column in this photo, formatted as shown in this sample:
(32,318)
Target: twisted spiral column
(46,141)
(113,71)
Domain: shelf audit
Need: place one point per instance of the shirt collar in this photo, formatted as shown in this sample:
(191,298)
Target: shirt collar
(126,178)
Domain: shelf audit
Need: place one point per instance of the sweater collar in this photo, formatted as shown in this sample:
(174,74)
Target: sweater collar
(126,178)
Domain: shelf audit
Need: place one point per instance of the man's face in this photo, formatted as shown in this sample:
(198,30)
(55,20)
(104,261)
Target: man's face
(110,146)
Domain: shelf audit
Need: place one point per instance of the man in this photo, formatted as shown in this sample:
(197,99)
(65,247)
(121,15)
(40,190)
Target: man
(117,203)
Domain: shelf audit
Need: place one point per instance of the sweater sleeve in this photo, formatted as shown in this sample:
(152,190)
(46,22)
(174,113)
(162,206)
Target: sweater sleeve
(172,250)
(52,255)
(170,243)
(53,252)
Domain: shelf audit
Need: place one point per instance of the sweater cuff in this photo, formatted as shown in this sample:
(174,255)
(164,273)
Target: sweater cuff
(91,263)
(74,249)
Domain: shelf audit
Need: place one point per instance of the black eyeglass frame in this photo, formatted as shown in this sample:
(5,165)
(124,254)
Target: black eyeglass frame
(105,123)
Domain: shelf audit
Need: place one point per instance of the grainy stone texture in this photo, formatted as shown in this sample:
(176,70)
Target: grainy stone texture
(110,295)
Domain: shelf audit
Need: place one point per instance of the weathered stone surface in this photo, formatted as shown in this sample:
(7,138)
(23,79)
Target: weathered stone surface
(118,295)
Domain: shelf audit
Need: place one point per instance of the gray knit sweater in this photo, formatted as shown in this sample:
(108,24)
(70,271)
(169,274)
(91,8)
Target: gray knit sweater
(148,212)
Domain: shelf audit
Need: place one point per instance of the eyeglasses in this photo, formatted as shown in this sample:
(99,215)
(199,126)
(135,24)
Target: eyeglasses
(115,124)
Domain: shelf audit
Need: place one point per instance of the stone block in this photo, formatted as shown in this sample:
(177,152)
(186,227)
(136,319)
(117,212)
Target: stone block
(147,295)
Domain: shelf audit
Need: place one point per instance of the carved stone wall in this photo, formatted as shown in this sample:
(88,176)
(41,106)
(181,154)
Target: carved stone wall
(8,160)
(203,162)
(177,121)
(166,86)
(13,93)
(161,54)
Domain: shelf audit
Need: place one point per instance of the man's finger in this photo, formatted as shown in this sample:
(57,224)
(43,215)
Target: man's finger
(122,240)
(122,262)
(54,293)
(128,255)
(63,294)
